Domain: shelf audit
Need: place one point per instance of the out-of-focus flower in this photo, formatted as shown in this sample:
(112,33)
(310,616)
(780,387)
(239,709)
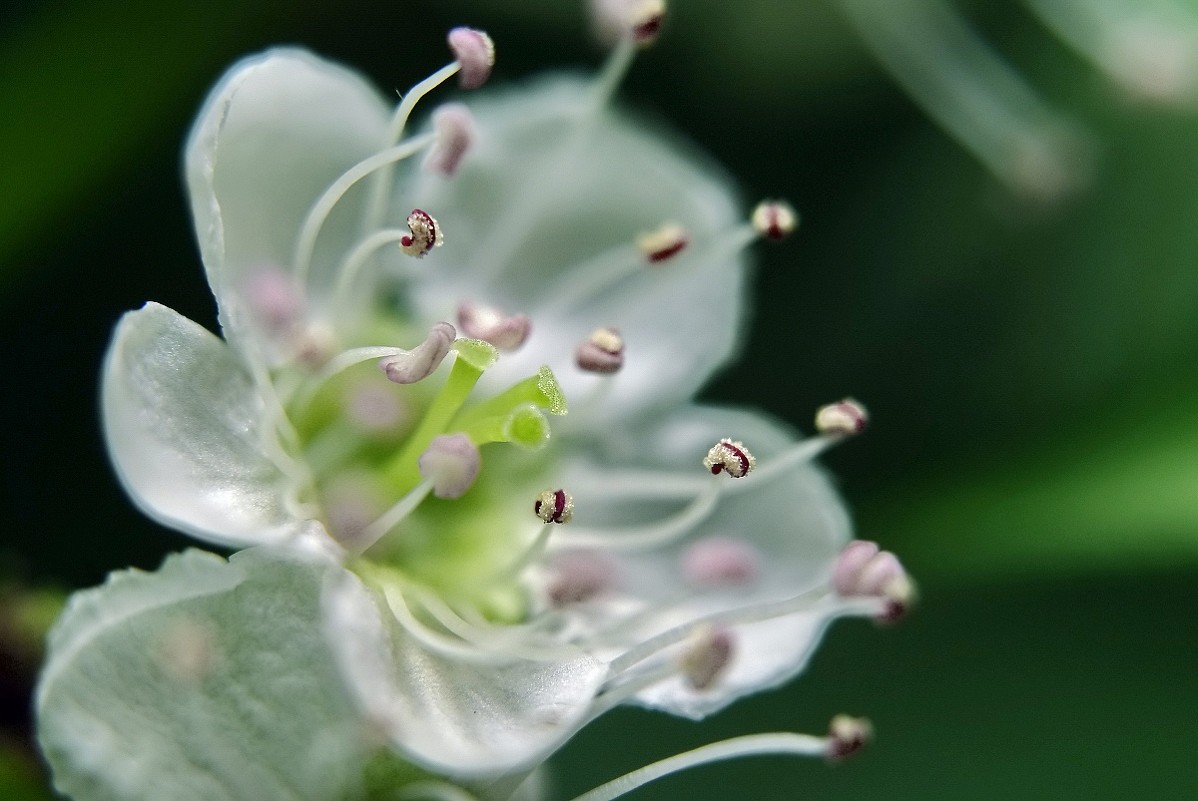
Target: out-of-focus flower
(474,635)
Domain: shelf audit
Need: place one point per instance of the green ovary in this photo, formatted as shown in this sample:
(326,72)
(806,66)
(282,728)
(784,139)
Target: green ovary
(458,548)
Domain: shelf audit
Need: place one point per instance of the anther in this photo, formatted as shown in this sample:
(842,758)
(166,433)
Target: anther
(707,657)
(421,361)
(720,562)
(844,418)
(451,463)
(774,219)
(646,20)
(579,576)
(863,570)
(554,506)
(274,299)
(664,243)
(728,456)
(426,234)
(454,126)
(601,352)
(505,332)
(846,736)
(475,52)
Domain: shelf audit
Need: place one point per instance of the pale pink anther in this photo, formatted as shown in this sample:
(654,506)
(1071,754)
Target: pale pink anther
(579,576)
(715,562)
(638,20)
(475,52)
(454,126)
(862,570)
(377,407)
(707,657)
(452,463)
(504,331)
(421,361)
(601,352)
(274,299)
(850,563)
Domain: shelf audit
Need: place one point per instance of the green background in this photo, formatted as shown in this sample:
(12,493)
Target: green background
(1031,369)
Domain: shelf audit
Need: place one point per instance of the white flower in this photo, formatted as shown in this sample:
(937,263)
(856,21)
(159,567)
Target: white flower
(474,636)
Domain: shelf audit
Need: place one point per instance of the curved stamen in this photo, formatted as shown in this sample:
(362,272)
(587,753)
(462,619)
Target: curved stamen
(969,90)
(512,643)
(306,241)
(772,744)
(600,273)
(351,266)
(512,228)
(435,641)
(817,599)
(651,535)
(393,516)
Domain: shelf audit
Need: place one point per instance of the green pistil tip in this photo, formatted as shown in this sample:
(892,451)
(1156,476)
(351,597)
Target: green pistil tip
(551,391)
(527,427)
(478,354)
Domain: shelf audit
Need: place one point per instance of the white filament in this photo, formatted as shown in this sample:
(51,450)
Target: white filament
(774,743)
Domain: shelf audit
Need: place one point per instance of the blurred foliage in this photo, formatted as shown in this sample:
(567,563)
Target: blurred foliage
(1031,368)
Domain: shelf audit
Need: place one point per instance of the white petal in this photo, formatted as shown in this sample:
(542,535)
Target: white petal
(565,191)
(276,131)
(203,681)
(183,423)
(796,522)
(463,717)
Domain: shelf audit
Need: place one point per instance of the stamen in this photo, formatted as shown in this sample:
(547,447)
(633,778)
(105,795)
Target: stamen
(376,407)
(730,457)
(602,352)
(274,299)
(970,91)
(506,332)
(305,243)
(844,418)
(452,464)
(475,52)
(663,243)
(455,129)
(708,656)
(847,736)
(425,236)
(422,361)
(1152,54)
(646,21)
(392,517)
(862,570)
(579,576)
(774,219)
(720,562)
(637,21)
(772,744)
(554,506)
